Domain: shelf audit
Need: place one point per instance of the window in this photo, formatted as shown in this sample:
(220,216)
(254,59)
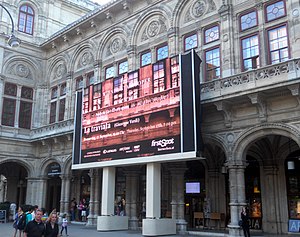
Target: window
(52,112)
(58,100)
(118,90)
(97,89)
(26,19)
(146,59)
(190,42)
(175,72)
(162,52)
(211,34)
(159,77)
(13,102)
(8,112)
(90,79)
(212,64)
(123,67)
(278,44)
(86,100)
(248,20)
(250,52)
(133,86)
(79,83)
(109,72)
(25,107)
(275,10)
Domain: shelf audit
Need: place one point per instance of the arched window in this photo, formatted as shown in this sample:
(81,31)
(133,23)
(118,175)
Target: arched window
(26,19)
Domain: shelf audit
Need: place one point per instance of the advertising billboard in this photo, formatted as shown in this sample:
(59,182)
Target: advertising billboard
(138,117)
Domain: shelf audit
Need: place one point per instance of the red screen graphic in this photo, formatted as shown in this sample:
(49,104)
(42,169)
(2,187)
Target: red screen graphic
(133,115)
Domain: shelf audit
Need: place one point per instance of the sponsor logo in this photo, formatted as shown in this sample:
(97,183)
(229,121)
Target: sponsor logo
(162,142)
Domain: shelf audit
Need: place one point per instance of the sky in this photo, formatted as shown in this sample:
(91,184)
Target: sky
(101,1)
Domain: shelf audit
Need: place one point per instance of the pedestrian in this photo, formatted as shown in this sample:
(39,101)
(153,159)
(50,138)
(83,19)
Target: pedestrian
(245,221)
(64,225)
(20,222)
(52,228)
(35,228)
(73,206)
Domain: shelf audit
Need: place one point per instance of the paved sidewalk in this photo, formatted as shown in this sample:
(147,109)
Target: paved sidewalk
(79,230)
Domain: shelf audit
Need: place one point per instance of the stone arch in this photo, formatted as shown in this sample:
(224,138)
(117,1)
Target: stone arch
(21,67)
(86,51)
(214,146)
(186,11)
(113,43)
(44,165)
(57,69)
(38,9)
(67,165)
(28,166)
(160,20)
(246,139)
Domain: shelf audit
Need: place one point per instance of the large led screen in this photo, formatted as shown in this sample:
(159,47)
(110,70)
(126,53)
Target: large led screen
(137,117)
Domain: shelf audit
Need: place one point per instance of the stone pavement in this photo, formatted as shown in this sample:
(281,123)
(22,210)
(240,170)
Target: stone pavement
(79,230)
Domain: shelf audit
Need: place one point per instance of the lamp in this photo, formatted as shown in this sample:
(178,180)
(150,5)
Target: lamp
(290,165)
(12,41)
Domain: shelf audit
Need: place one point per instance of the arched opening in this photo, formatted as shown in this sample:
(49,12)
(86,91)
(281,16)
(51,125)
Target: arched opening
(53,187)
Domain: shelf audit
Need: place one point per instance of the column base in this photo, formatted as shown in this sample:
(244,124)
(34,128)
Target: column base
(91,220)
(133,223)
(109,223)
(156,227)
(234,231)
(181,226)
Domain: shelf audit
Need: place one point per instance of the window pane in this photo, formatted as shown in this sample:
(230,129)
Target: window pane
(61,115)
(278,44)
(25,114)
(10,89)
(79,83)
(190,42)
(27,93)
(133,86)
(97,96)
(248,20)
(275,10)
(212,59)
(54,93)
(212,34)
(109,72)
(250,49)
(123,67)
(162,52)
(52,112)
(158,77)
(8,112)
(146,59)
(63,89)
(118,90)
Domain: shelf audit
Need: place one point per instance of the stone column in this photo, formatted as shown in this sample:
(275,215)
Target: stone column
(236,171)
(92,219)
(177,171)
(62,195)
(153,190)
(271,200)
(173,41)
(98,181)
(67,194)
(108,191)
(36,191)
(131,196)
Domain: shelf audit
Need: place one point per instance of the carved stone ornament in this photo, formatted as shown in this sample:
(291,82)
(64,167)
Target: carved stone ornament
(116,45)
(198,9)
(22,70)
(60,70)
(85,59)
(153,29)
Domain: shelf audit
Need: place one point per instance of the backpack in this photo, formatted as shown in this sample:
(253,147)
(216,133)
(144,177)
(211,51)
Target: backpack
(22,222)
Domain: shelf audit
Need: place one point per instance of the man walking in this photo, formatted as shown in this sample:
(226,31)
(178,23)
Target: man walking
(35,228)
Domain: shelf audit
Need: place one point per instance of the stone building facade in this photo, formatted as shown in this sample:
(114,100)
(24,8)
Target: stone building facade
(249,102)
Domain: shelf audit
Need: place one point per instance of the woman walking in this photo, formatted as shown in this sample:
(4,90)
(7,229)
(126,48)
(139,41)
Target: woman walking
(245,221)
(52,226)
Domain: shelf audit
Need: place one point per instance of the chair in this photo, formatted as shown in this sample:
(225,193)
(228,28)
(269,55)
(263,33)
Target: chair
(216,216)
(200,216)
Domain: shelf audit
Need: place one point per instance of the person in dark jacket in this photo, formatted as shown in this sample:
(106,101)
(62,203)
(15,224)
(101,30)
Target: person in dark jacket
(245,221)
(52,228)
(36,227)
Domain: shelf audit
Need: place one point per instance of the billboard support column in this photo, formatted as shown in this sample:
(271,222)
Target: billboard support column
(153,189)
(108,221)
(153,225)
(108,191)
